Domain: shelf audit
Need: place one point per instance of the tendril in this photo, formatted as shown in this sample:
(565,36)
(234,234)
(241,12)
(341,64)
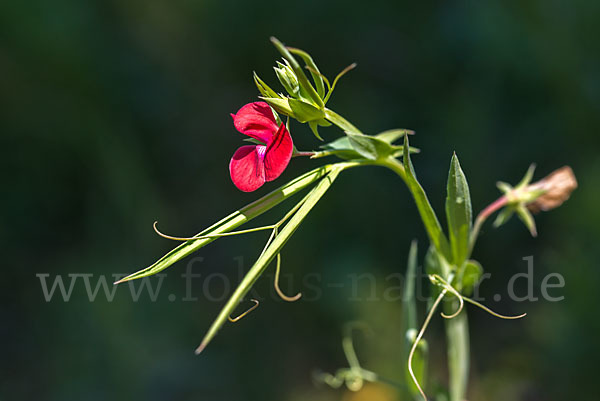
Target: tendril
(250,230)
(491,312)
(235,319)
(276,283)
(452,290)
(337,78)
(418,339)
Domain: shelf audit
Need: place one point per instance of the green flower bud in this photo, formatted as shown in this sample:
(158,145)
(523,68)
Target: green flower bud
(288,79)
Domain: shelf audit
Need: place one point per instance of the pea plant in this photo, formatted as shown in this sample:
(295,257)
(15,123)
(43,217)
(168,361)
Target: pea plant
(266,125)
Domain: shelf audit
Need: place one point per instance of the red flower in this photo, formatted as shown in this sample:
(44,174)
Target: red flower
(252,165)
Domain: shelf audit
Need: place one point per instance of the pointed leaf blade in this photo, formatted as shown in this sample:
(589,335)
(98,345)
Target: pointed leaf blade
(458,211)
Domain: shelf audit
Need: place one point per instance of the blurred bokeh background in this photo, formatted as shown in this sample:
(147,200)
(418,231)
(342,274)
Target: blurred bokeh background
(114,114)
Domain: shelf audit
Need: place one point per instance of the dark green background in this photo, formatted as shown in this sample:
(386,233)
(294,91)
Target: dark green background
(114,114)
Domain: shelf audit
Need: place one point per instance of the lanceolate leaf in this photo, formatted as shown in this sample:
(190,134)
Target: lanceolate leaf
(341,122)
(458,212)
(269,254)
(432,224)
(233,221)
(370,147)
(263,88)
(341,143)
(342,148)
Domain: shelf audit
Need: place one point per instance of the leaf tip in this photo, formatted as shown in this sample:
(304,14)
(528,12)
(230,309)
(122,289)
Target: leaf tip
(200,348)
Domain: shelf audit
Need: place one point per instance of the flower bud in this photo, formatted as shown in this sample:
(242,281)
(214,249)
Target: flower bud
(525,198)
(556,189)
(288,79)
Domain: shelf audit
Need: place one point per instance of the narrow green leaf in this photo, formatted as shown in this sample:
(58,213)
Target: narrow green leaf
(314,70)
(340,147)
(370,147)
(269,254)
(233,221)
(341,122)
(341,143)
(458,212)
(430,220)
(263,88)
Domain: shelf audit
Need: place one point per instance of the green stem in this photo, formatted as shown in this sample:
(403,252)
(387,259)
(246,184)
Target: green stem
(457,337)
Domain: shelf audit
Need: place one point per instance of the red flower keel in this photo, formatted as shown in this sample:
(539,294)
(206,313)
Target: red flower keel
(247,168)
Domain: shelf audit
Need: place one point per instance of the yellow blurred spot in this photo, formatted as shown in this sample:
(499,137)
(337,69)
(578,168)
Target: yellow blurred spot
(371,392)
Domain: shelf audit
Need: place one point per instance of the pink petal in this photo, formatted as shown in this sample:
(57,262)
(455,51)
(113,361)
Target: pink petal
(278,153)
(247,168)
(256,120)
